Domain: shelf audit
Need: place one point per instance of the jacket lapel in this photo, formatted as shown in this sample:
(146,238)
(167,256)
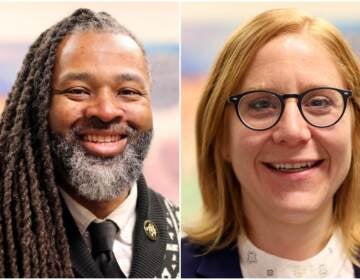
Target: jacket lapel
(356,271)
(220,264)
(148,255)
(82,262)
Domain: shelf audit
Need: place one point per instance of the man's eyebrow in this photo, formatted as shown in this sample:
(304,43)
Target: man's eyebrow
(81,76)
(120,78)
(130,77)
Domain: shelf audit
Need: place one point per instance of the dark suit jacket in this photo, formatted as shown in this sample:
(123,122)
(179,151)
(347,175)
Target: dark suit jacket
(151,259)
(223,263)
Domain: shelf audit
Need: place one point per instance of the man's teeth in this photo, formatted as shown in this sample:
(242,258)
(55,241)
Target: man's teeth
(293,166)
(102,139)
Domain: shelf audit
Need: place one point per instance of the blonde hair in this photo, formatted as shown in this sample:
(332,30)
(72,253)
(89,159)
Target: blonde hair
(222,220)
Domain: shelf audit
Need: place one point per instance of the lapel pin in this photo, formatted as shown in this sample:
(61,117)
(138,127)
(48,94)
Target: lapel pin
(150,230)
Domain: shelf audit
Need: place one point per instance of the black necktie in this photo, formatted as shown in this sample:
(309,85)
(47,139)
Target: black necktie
(102,239)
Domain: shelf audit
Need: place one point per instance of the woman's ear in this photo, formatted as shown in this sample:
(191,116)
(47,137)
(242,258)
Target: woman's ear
(225,152)
(225,147)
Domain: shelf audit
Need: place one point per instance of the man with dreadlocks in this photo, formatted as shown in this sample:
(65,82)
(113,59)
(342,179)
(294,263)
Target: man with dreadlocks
(73,135)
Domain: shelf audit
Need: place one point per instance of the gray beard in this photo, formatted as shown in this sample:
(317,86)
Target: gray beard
(96,178)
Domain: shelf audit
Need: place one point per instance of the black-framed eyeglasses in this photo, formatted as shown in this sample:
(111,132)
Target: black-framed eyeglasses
(262,109)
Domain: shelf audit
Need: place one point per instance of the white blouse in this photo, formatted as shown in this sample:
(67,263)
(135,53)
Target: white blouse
(330,262)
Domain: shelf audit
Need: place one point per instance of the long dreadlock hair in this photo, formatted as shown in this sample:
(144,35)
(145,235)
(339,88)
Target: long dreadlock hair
(33,241)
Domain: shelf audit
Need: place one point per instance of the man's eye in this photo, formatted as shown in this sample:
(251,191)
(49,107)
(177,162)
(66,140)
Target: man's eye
(130,92)
(77,91)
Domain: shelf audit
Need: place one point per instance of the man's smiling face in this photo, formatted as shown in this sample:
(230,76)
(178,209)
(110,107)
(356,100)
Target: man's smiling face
(100,111)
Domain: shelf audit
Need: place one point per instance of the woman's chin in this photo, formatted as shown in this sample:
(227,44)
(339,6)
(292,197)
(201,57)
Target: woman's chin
(298,207)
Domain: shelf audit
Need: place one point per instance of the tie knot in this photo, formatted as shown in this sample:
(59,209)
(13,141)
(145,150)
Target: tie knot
(102,236)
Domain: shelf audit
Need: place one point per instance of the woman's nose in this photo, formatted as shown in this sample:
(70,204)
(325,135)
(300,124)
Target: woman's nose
(292,129)
(105,107)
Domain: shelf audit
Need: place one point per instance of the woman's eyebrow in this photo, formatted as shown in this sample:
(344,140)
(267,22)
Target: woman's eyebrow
(279,90)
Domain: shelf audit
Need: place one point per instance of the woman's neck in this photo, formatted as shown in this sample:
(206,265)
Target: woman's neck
(296,239)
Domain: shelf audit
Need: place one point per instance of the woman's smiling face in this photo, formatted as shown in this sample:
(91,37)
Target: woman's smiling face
(290,63)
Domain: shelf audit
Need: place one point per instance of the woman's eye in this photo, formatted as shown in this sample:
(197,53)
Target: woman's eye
(260,104)
(319,102)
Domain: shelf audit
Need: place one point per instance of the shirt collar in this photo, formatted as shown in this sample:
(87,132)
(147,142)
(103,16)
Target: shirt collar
(120,216)
(331,261)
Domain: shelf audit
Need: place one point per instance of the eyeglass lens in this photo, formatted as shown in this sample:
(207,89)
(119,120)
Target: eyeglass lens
(320,107)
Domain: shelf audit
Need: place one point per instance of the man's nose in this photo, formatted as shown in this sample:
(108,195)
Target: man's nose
(105,106)
(292,129)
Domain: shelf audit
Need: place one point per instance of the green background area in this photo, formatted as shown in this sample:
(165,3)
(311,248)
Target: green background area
(190,200)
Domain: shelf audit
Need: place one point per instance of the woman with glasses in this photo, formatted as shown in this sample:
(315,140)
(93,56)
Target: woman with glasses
(278,152)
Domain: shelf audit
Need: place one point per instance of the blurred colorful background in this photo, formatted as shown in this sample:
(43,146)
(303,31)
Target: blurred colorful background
(155,24)
(204,28)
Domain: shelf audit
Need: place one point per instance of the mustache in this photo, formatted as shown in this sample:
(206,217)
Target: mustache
(115,126)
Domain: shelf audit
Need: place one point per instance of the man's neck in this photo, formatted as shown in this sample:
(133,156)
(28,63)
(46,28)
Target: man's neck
(101,209)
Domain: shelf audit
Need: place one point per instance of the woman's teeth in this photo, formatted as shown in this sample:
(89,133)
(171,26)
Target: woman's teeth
(292,167)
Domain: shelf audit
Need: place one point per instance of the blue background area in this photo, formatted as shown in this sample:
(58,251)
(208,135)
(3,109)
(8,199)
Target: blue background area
(198,57)
(163,59)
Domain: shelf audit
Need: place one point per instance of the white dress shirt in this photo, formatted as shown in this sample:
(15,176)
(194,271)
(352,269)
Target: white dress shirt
(330,262)
(123,216)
